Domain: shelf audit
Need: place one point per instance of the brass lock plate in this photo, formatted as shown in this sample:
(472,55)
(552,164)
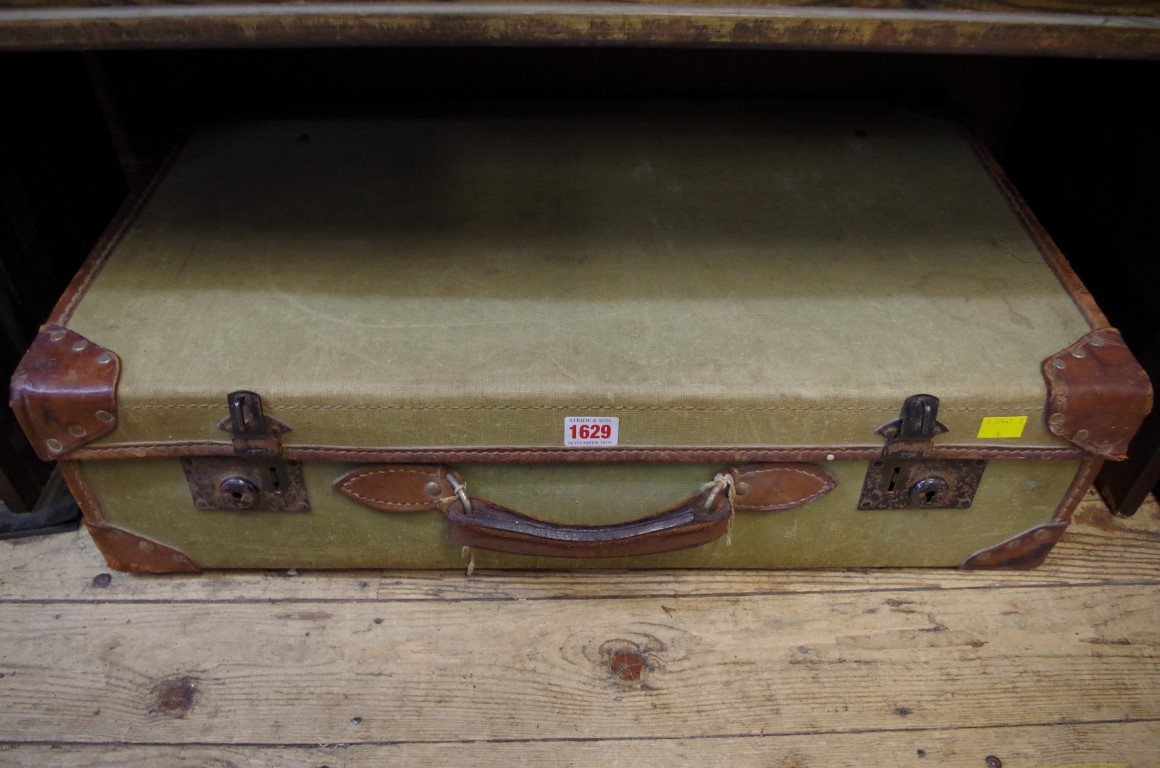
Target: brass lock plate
(921,483)
(231,483)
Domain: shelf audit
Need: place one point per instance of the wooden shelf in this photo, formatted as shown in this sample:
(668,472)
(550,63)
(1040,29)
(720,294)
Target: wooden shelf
(1046,667)
(1016,27)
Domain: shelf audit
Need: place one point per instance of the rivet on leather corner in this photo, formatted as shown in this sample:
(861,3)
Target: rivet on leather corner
(1096,341)
(1081,435)
(104,416)
(1058,363)
(105,358)
(1105,448)
(1056,419)
(57,335)
(79,345)
(1078,352)
(1043,534)
(53,444)
(77,430)
(742,489)
(433,489)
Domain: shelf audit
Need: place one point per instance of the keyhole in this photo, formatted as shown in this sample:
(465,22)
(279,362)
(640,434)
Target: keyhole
(241,492)
(930,491)
(894,479)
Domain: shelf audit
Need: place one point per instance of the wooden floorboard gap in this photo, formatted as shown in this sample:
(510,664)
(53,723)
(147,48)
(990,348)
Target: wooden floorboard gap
(885,589)
(583,739)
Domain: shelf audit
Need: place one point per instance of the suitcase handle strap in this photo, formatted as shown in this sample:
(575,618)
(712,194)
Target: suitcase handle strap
(476,522)
(696,520)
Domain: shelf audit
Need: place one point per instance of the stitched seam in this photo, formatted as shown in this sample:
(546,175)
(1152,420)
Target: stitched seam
(595,407)
(98,517)
(1077,491)
(98,264)
(1046,453)
(778,507)
(111,239)
(83,289)
(345,488)
(827,486)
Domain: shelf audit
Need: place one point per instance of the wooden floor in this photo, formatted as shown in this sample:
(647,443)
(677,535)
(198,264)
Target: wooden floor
(1052,667)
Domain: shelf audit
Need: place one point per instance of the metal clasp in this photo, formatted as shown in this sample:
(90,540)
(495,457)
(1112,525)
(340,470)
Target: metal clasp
(904,478)
(253,432)
(912,434)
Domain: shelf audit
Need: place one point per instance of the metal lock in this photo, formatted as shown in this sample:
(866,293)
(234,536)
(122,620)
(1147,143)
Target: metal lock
(238,492)
(929,492)
(906,478)
(256,477)
(235,483)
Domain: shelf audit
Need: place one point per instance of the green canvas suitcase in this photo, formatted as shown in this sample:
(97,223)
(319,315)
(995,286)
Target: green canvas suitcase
(656,336)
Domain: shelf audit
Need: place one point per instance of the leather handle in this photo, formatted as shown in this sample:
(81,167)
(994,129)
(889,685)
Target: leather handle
(484,524)
(490,526)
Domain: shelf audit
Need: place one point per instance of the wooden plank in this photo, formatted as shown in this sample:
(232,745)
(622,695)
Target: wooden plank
(1030,28)
(1109,745)
(1107,8)
(562,669)
(69,568)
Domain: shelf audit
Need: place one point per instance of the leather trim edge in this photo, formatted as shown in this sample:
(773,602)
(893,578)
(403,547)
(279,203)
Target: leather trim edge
(123,550)
(95,261)
(1056,261)
(1030,548)
(729,455)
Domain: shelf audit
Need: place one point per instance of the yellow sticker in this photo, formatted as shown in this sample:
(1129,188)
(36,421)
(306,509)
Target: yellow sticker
(1002,426)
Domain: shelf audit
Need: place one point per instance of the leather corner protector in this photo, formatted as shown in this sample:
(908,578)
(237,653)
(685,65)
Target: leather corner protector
(64,392)
(773,487)
(1097,394)
(397,487)
(1027,550)
(126,551)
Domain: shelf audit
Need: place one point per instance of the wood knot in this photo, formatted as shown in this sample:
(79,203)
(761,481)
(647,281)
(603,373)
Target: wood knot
(630,663)
(174,696)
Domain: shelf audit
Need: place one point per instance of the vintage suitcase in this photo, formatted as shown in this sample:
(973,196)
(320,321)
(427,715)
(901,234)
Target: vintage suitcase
(667,336)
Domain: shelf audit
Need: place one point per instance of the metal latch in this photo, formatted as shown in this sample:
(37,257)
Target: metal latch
(905,479)
(254,433)
(256,478)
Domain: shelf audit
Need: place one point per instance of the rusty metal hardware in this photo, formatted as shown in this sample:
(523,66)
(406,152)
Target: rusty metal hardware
(929,492)
(231,483)
(921,483)
(904,479)
(916,427)
(253,432)
(241,491)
